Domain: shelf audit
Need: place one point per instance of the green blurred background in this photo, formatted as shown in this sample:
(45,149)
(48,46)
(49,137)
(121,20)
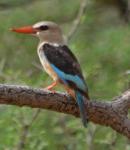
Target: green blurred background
(101,43)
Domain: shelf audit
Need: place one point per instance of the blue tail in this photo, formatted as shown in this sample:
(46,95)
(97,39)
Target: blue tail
(83,113)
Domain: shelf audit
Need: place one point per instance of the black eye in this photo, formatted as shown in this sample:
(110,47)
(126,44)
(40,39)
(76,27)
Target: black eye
(44,27)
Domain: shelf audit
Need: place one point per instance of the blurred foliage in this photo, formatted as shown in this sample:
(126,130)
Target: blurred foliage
(101,43)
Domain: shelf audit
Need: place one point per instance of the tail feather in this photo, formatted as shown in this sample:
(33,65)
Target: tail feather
(83,113)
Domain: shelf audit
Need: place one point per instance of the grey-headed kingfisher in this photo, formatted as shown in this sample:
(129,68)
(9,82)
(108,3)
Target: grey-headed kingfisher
(59,62)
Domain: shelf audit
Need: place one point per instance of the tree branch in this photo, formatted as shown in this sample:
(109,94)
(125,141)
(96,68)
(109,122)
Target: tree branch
(112,114)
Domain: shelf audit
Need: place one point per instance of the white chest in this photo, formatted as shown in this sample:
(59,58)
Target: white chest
(46,65)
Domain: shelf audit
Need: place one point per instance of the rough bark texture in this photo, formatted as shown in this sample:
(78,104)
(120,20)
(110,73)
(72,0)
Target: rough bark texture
(112,114)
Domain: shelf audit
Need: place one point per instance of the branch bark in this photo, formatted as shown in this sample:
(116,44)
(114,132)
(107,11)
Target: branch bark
(112,114)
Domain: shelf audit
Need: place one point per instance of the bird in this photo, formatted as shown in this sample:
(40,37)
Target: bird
(59,62)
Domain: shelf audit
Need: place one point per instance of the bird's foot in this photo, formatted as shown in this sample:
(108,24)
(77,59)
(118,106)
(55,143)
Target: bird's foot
(51,86)
(52,91)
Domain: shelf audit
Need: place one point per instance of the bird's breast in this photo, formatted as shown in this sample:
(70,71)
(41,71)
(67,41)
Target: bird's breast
(46,65)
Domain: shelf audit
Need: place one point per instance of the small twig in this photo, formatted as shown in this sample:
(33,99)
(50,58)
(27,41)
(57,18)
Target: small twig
(25,129)
(35,115)
(77,20)
(23,137)
(113,141)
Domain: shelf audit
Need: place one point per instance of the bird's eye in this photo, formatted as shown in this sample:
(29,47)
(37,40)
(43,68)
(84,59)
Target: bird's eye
(44,27)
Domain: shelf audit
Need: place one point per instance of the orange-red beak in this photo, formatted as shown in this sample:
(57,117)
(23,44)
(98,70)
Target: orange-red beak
(26,30)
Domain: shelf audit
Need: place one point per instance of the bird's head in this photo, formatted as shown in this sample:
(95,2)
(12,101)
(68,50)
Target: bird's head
(46,31)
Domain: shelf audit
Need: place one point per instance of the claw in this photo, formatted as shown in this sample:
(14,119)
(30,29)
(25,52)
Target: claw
(53,91)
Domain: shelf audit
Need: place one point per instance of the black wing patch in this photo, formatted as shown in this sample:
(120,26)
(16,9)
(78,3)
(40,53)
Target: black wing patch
(63,59)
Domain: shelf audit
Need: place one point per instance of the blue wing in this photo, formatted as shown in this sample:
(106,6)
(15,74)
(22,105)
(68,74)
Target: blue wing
(72,78)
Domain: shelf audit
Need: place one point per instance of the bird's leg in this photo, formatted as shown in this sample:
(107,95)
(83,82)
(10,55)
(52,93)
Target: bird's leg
(51,86)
